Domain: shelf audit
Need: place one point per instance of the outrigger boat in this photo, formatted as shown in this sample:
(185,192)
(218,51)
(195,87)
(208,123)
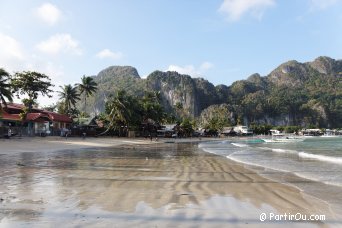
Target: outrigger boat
(278,137)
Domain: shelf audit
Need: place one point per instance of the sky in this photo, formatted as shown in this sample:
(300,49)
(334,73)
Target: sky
(219,40)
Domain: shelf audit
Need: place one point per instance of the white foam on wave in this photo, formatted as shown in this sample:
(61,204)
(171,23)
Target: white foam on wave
(299,174)
(333,183)
(318,179)
(336,160)
(201,145)
(209,151)
(239,144)
(231,157)
(279,150)
(234,156)
(284,151)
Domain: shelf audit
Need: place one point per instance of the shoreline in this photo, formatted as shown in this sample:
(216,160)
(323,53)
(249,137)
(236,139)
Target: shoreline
(329,194)
(199,176)
(291,180)
(56,143)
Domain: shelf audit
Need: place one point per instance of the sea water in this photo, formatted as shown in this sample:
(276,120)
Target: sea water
(317,158)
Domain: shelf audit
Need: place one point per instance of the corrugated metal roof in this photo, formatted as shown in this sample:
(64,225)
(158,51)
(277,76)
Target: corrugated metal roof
(37,116)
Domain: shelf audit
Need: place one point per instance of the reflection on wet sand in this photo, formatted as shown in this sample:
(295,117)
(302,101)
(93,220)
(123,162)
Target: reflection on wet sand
(157,185)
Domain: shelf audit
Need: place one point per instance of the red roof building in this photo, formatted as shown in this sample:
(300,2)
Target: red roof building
(6,116)
(37,121)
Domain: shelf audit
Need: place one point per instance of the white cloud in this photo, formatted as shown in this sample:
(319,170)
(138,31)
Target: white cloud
(60,43)
(106,53)
(10,47)
(14,58)
(11,54)
(206,66)
(322,4)
(191,69)
(188,69)
(49,13)
(52,69)
(235,9)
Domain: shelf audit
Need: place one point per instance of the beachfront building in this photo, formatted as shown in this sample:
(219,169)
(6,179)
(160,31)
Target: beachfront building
(276,132)
(166,130)
(243,130)
(37,122)
(228,131)
(88,126)
(311,132)
(330,132)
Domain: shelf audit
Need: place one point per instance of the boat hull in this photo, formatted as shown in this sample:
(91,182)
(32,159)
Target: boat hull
(283,140)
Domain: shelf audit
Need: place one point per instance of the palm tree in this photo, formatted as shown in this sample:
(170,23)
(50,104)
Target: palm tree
(122,110)
(151,106)
(117,109)
(70,97)
(5,89)
(87,88)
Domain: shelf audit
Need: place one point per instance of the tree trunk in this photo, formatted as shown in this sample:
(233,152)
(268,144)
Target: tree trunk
(85,103)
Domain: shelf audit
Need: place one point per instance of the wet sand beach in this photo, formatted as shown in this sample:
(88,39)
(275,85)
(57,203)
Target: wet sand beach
(137,183)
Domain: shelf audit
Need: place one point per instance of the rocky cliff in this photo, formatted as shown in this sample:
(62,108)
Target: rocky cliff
(292,94)
(193,94)
(111,80)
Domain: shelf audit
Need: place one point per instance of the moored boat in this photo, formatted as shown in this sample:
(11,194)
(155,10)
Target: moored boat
(278,137)
(283,140)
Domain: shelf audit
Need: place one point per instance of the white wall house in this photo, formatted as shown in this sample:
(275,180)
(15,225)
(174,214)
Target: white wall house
(243,130)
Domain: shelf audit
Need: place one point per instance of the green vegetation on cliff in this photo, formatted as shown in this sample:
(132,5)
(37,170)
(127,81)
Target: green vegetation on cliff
(292,94)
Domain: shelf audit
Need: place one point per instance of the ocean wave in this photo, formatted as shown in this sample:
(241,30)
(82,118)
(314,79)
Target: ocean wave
(309,176)
(321,157)
(319,178)
(243,153)
(251,163)
(314,176)
(284,151)
(218,151)
(239,144)
(212,151)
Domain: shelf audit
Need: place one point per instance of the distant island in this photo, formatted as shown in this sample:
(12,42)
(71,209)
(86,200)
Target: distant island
(299,94)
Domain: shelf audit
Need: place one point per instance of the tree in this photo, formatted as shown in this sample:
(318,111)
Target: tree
(31,83)
(123,110)
(69,96)
(187,127)
(253,105)
(5,88)
(87,87)
(151,106)
(259,129)
(215,117)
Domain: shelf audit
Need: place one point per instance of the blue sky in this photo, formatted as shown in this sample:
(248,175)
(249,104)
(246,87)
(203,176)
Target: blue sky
(220,40)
